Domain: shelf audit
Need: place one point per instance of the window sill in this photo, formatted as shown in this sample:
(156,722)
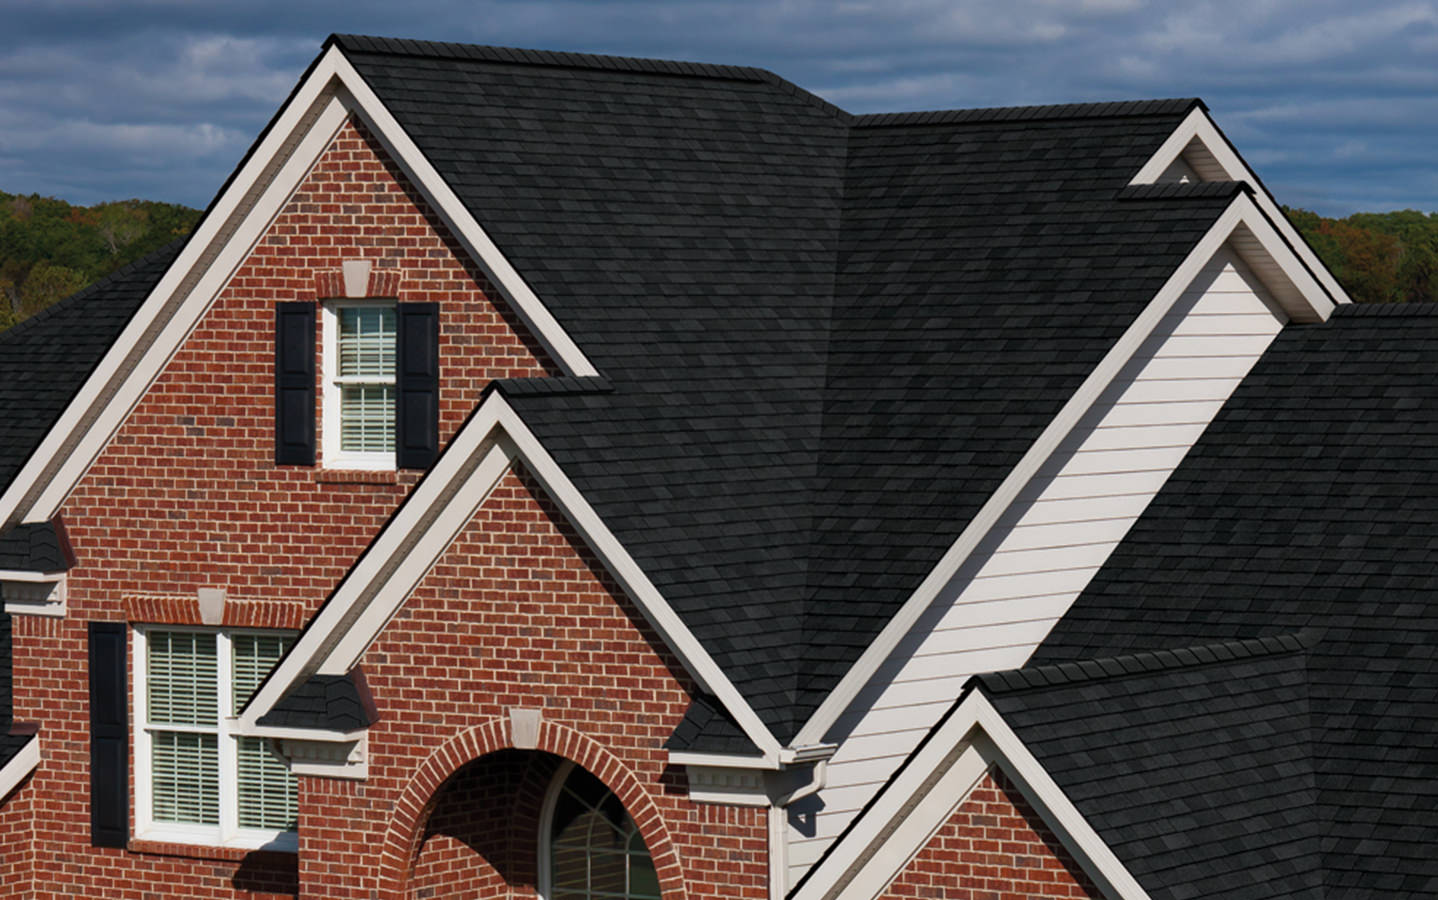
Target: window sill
(356,476)
(203,851)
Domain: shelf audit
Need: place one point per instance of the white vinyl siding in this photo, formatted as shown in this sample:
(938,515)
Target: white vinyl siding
(1043,552)
(196,782)
(359,378)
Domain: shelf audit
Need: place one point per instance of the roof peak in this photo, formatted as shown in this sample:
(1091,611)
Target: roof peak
(360,43)
(1145,662)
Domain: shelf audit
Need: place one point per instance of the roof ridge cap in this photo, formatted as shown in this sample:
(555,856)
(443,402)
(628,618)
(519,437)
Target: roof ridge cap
(1045,112)
(1399,308)
(550,385)
(1143,662)
(362,43)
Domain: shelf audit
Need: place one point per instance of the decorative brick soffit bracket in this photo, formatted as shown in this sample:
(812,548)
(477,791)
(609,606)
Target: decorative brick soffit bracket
(357,279)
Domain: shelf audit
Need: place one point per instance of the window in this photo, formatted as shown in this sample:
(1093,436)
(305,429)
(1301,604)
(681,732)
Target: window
(594,850)
(359,380)
(196,782)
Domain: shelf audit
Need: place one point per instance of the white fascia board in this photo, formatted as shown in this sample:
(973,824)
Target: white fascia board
(395,561)
(238,219)
(461,221)
(20,765)
(437,509)
(1318,304)
(1200,125)
(723,760)
(30,577)
(1241,211)
(165,318)
(932,785)
(322,735)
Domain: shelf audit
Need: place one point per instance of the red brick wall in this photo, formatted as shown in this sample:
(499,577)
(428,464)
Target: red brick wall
(994,847)
(516,613)
(17,823)
(187,494)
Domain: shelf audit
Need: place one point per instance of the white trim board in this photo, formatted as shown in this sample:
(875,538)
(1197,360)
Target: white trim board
(19,766)
(328,96)
(1303,299)
(1199,127)
(932,785)
(436,511)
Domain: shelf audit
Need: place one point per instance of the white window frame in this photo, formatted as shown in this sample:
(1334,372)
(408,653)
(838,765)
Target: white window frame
(333,456)
(228,833)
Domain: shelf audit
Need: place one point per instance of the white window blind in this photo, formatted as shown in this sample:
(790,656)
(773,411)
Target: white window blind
(267,795)
(203,783)
(364,374)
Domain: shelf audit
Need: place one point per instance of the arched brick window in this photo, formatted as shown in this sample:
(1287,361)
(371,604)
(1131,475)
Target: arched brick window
(589,846)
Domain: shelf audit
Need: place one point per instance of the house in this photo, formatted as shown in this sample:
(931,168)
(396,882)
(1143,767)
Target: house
(560,475)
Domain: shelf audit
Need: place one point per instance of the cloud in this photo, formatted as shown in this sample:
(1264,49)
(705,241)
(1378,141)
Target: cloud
(1329,100)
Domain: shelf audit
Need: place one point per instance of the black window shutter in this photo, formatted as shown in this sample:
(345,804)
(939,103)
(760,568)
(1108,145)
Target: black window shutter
(416,418)
(109,737)
(295,384)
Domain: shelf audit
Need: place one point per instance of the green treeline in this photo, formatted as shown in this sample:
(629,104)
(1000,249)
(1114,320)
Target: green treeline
(1387,257)
(50,249)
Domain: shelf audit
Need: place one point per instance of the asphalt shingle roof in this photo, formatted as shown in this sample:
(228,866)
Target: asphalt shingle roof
(828,337)
(333,702)
(33,548)
(46,358)
(1310,503)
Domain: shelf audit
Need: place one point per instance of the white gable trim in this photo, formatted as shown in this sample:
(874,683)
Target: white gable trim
(437,510)
(932,786)
(1199,127)
(1303,299)
(239,217)
(20,765)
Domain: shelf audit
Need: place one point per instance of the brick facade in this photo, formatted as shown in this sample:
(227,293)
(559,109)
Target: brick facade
(993,847)
(516,614)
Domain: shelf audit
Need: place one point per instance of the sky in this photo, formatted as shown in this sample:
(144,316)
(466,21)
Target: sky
(1334,104)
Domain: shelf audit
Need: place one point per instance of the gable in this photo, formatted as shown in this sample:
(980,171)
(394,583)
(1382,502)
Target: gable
(185,494)
(518,613)
(330,93)
(994,844)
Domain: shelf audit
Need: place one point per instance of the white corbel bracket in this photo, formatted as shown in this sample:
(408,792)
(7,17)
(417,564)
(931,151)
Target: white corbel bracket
(803,773)
(327,759)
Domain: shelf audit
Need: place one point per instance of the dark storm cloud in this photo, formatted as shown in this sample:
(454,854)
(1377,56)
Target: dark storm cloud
(1332,103)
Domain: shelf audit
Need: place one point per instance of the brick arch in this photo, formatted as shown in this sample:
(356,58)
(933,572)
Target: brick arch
(416,801)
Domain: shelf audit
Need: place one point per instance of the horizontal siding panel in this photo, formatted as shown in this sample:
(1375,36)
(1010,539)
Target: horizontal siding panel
(1029,584)
(1139,459)
(1179,389)
(1045,559)
(1009,609)
(1073,487)
(893,720)
(1199,323)
(1167,368)
(1177,412)
(1222,303)
(1138,436)
(1064,534)
(1247,345)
